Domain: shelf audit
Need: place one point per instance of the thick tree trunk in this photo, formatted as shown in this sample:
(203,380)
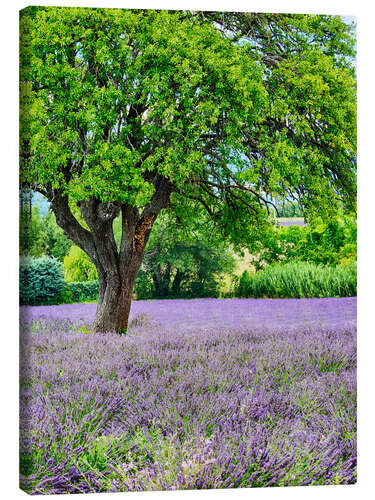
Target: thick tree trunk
(113,313)
(116,283)
(113,309)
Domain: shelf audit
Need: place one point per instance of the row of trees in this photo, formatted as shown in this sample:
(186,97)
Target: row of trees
(136,112)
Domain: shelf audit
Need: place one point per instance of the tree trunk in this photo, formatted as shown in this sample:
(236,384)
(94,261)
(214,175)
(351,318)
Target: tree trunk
(161,279)
(176,286)
(116,283)
(113,313)
(113,308)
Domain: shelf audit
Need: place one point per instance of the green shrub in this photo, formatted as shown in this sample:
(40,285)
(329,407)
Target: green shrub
(41,280)
(144,287)
(75,292)
(299,280)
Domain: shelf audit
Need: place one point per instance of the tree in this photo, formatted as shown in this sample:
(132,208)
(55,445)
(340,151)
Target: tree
(330,242)
(30,232)
(183,265)
(135,112)
(40,235)
(78,266)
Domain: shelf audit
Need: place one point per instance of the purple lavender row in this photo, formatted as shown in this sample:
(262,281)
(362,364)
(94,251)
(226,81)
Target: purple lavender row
(208,313)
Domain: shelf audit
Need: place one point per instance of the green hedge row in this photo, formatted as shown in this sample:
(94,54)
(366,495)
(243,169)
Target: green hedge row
(42,282)
(299,280)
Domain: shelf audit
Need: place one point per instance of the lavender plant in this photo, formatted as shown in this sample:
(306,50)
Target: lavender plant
(199,394)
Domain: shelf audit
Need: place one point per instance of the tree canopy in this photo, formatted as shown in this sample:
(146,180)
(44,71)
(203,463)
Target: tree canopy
(134,111)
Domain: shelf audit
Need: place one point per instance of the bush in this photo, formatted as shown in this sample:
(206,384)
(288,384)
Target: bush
(299,280)
(76,292)
(41,280)
(144,287)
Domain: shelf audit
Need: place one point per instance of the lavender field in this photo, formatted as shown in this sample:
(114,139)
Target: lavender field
(201,393)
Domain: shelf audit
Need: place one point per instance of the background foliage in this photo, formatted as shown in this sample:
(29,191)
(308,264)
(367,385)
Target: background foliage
(333,242)
(40,235)
(180,263)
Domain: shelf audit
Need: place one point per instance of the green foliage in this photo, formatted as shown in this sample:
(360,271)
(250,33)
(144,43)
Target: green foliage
(113,99)
(299,280)
(41,280)
(178,69)
(322,242)
(40,235)
(305,90)
(78,266)
(77,292)
(178,264)
(55,243)
(30,233)
(144,287)
(97,455)
(289,209)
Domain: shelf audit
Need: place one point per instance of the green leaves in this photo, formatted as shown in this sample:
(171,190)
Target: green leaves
(231,109)
(41,280)
(78,266)
(110,85)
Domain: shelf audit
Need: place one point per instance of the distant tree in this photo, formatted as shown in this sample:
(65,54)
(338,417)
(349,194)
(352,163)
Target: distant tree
(40,235)
(287,208)
(55,243)
(41,280)
(331,241)
(30,233)
(182,265)
(135,112)
(78,266)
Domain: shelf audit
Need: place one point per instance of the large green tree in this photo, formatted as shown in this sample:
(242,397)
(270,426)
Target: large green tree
(134,112)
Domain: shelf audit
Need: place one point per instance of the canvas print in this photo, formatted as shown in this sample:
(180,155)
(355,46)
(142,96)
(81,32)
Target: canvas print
(187,250)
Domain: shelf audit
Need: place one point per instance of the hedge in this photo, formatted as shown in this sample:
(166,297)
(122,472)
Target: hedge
(299,280)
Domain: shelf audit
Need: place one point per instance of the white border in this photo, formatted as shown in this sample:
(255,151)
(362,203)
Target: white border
(9,272)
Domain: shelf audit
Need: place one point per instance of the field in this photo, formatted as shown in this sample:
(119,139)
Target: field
(201,393)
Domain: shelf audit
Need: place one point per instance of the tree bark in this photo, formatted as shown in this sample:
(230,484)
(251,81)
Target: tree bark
(120,269)
(114,304)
